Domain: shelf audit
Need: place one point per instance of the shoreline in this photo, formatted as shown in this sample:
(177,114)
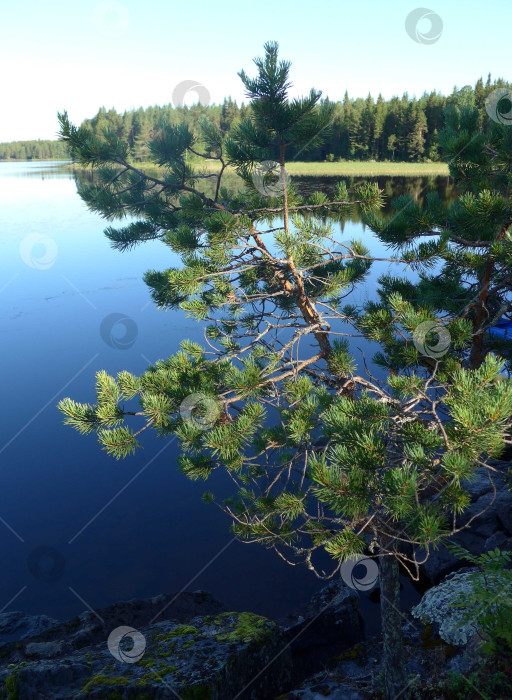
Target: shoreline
(350,168)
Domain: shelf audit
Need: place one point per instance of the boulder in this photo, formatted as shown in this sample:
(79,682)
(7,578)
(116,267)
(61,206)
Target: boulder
(331,623)
(503,506)
(185,645)
(493,528)
(441,606)
(17,625)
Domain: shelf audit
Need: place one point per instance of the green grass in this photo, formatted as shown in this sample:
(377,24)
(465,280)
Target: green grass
(350,168)
(356,168)
(364,168)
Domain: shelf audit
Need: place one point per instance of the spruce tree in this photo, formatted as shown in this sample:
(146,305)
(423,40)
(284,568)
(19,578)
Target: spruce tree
(323,456)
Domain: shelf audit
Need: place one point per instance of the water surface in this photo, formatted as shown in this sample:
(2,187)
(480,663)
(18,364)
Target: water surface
(77,528)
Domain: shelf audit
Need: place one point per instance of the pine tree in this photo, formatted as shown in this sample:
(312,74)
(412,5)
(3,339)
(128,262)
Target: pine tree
(323,456)
(229,114)
(417,128)
(470,242)
(378,127)
(480,94)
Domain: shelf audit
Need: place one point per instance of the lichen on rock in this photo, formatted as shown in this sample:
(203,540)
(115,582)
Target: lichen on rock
(442,605)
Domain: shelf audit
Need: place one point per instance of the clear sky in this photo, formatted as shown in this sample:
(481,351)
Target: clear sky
(81,54)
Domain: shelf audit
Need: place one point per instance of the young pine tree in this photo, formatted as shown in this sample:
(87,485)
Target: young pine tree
(323,456)
(470,242)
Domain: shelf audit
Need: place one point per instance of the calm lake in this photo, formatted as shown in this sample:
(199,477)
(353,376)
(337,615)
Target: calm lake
(77,528)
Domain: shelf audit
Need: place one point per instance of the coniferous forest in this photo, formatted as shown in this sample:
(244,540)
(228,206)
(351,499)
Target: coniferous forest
(399,129)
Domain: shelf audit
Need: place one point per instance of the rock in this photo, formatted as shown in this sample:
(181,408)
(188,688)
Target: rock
(331,623)
(499,540)
(318,688)
(503,505)
(91,628)
(438,605)
(441,562)
(448,605)
(493,525)
(479,485)
(17,625)
(43,649)
(216,656)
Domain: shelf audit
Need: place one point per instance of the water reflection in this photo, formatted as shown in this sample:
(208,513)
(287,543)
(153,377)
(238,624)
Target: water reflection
(156,535)
(391,186)
(41,170)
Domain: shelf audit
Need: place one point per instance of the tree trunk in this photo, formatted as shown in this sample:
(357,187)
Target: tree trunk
(477,354)
(395,681)
(282,177)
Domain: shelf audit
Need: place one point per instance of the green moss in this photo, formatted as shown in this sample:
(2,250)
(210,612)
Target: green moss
(430,641)
(156,676)
(179,631)
(147,663)
(165,652)
(351,653)
(11,687)
(248,628)
(102,680)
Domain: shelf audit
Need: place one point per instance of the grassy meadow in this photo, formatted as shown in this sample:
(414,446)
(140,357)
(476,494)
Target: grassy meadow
(349,168)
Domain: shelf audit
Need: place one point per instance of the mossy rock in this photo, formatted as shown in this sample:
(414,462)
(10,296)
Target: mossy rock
(215,658)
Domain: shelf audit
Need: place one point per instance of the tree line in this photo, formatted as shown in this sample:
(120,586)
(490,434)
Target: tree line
(33,150)
(401,128)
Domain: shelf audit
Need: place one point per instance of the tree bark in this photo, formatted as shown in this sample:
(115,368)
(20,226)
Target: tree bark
(282,177)
(395,681)
(477,354)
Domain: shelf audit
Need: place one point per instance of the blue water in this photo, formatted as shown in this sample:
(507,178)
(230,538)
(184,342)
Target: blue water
(156,535)
(112,530)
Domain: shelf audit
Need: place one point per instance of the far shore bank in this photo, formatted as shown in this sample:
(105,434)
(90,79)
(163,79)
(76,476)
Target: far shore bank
(351,168)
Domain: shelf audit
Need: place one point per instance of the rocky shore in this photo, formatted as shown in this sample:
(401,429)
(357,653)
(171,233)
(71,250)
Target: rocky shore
(190,646)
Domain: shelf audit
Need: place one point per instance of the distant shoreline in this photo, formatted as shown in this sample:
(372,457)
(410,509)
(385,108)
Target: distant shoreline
(351,168)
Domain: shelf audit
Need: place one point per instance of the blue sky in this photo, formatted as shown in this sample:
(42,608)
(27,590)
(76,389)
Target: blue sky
(79,55)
